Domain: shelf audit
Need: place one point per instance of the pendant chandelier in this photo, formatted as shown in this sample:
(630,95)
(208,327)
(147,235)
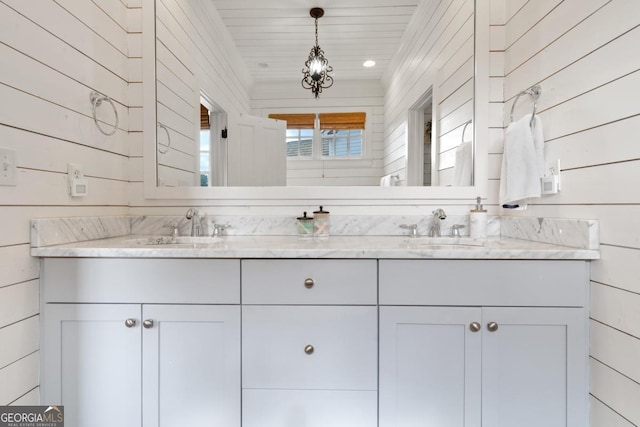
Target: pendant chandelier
(316,69)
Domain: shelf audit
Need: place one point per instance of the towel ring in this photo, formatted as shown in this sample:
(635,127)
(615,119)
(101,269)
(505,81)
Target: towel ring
(96,100)
(168,145)
(534,93)
(464,129)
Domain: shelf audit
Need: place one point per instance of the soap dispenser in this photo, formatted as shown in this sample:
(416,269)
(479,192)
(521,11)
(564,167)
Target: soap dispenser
(478,221)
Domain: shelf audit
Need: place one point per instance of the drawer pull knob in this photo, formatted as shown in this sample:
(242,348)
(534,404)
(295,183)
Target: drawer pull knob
(308,283)
(308,349)
(148,324)
(492,326)
(130,323)
(475,326)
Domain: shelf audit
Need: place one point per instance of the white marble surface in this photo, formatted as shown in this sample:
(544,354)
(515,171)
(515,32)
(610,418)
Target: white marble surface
(577,233)
(57,231)
(274,237)
(344,225)
(332,247)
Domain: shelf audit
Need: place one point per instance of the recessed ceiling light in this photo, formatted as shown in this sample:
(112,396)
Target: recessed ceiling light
(369,63)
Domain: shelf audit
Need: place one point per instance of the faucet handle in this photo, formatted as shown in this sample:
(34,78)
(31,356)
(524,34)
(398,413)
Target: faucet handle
(413,229)
(455,230)
(219,229)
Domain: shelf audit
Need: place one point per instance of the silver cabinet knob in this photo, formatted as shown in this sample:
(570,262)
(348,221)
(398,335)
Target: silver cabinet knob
(148,324)
(308,283)
(130,323)
(492,326)
(475,326)
(308,349)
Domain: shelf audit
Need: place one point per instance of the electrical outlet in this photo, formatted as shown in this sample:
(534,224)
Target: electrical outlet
(7,167)
(551,179)
(74,171)
(78,186)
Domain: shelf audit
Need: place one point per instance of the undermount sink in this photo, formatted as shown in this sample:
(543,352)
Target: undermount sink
(444,241)
(176,240)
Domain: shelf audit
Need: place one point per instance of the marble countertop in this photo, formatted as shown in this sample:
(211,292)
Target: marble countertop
(137,246)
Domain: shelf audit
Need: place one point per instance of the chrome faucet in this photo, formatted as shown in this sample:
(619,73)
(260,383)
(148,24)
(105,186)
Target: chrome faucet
(434,228)
(194,216)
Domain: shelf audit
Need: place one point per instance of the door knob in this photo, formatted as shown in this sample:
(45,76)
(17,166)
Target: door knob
(130,323)
(308,349)
(148,324)
(308,283)
(475,326)
(492,326)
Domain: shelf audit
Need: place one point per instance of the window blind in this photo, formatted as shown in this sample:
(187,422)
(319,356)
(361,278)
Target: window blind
(204,118)
(342,120)
(296,121)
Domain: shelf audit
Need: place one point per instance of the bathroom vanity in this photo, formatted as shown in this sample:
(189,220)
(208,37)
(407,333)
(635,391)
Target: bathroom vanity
(349,331)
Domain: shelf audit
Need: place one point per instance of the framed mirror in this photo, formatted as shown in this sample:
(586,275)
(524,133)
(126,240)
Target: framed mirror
(434,85)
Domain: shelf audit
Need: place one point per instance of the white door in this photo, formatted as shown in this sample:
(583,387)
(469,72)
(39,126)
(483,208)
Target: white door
(191,366)
(534,369)
(430,367)
(256,151)
(92,363)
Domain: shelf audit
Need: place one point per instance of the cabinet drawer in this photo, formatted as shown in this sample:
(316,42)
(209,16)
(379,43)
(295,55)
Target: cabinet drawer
(309,408)
(297,281)
(484,282)
(127,280)
(344,341)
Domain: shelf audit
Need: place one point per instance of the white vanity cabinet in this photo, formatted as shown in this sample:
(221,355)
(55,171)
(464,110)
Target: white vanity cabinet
(142,342)
(483,343)
(309,343)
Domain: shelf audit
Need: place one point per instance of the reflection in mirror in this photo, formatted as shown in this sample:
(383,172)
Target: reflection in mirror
(416,115)
(212,159)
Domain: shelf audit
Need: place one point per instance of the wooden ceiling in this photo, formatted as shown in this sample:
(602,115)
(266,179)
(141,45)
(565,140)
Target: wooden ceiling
(274,37)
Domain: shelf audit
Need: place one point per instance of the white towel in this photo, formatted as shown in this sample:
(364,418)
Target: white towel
(462,168)
(522,162)
(387,181)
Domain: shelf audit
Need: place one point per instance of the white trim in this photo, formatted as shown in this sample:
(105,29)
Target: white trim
(283,195)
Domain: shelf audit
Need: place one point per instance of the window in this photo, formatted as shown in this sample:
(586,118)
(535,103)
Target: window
(299,142)
(342,143)
(336,135)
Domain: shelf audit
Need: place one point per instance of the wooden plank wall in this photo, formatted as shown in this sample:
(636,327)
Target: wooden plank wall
(343,96)
(54,53)
(194,55)
(438,53)
(584,55)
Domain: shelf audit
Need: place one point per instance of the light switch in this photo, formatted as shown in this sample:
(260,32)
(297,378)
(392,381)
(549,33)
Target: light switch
(7,167)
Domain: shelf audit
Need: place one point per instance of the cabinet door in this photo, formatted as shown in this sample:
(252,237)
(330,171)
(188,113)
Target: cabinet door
(191,366)
(429,367)
(92,363)
(534,367)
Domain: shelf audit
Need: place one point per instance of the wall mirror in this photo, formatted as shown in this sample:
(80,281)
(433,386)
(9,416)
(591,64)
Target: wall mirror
(436,101)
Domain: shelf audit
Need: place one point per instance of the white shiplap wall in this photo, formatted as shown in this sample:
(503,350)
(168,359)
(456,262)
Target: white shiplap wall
(344,96)
(584,55)
(53,54)
(437,52)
